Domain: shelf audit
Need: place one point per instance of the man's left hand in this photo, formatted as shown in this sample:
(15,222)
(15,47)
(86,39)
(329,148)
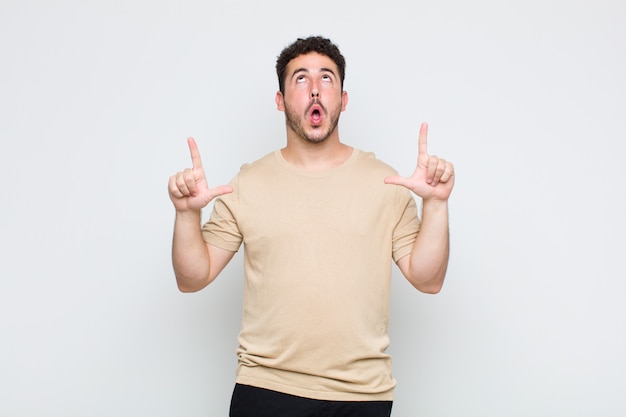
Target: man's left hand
(433,177)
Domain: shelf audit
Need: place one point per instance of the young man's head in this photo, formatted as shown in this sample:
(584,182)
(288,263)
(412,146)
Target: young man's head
(311,73)
(304,46)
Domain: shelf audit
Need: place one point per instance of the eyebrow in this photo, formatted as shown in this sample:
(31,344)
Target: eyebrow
(306,70)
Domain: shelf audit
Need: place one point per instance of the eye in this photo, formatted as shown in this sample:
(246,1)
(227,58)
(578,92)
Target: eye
(326,78)
(300,79)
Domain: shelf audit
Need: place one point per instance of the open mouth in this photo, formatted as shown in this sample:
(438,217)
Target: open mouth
(315,115)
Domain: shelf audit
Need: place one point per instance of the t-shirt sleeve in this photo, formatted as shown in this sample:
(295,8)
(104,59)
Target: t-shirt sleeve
(222,229)
(405,232)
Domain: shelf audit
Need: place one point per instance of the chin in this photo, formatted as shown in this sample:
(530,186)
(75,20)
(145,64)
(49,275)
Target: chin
(315,139)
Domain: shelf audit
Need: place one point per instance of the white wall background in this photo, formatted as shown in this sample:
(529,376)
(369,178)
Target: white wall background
(528,98)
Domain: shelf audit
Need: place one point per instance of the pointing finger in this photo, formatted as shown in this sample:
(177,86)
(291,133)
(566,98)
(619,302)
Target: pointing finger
(421,144)
(196,161)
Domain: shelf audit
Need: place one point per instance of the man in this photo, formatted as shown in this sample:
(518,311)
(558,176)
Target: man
(320,222)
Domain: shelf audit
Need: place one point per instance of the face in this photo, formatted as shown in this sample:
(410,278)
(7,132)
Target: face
(313,99)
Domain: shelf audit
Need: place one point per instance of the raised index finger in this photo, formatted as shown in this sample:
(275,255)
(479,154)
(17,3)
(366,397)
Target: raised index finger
(421,143)
(196,161)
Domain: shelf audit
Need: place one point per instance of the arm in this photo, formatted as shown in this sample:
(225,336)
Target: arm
(196,263)
(433,180)
(426,266)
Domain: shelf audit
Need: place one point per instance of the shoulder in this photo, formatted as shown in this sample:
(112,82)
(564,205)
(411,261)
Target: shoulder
(258,169)
(368,161)
(373,171)
(257,174)
(265,162)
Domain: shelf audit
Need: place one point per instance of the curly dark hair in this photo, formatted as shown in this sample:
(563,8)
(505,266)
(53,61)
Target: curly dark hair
(304,46)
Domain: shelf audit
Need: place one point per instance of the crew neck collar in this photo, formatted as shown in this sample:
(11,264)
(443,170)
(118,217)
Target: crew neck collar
(315,174)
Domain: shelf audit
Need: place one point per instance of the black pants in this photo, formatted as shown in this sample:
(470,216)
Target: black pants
(250,401)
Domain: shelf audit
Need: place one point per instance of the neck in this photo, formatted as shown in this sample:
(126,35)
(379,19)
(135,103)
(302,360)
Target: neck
(319,156)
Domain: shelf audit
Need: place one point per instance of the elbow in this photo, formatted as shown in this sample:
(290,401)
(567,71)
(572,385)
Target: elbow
(186,285)
(432,286)
(186,289)
(424,276)
(430,289)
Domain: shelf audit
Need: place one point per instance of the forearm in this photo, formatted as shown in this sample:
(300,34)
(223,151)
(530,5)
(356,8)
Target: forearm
(190,256)
(428,261)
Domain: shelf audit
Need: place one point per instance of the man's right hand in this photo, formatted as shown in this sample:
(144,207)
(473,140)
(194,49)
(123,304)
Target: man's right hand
(188,189)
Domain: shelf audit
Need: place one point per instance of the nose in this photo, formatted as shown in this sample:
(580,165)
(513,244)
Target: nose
(315,90)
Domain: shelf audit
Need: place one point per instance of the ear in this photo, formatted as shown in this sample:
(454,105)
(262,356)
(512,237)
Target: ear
(344,100)
(280,101)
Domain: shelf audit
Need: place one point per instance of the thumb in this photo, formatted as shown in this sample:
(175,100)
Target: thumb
(221,190)
(396,180)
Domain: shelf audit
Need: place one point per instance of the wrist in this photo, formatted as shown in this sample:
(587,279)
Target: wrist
(433,204)
(191,214)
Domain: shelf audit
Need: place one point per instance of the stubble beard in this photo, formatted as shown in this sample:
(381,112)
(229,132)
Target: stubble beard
(317,135)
